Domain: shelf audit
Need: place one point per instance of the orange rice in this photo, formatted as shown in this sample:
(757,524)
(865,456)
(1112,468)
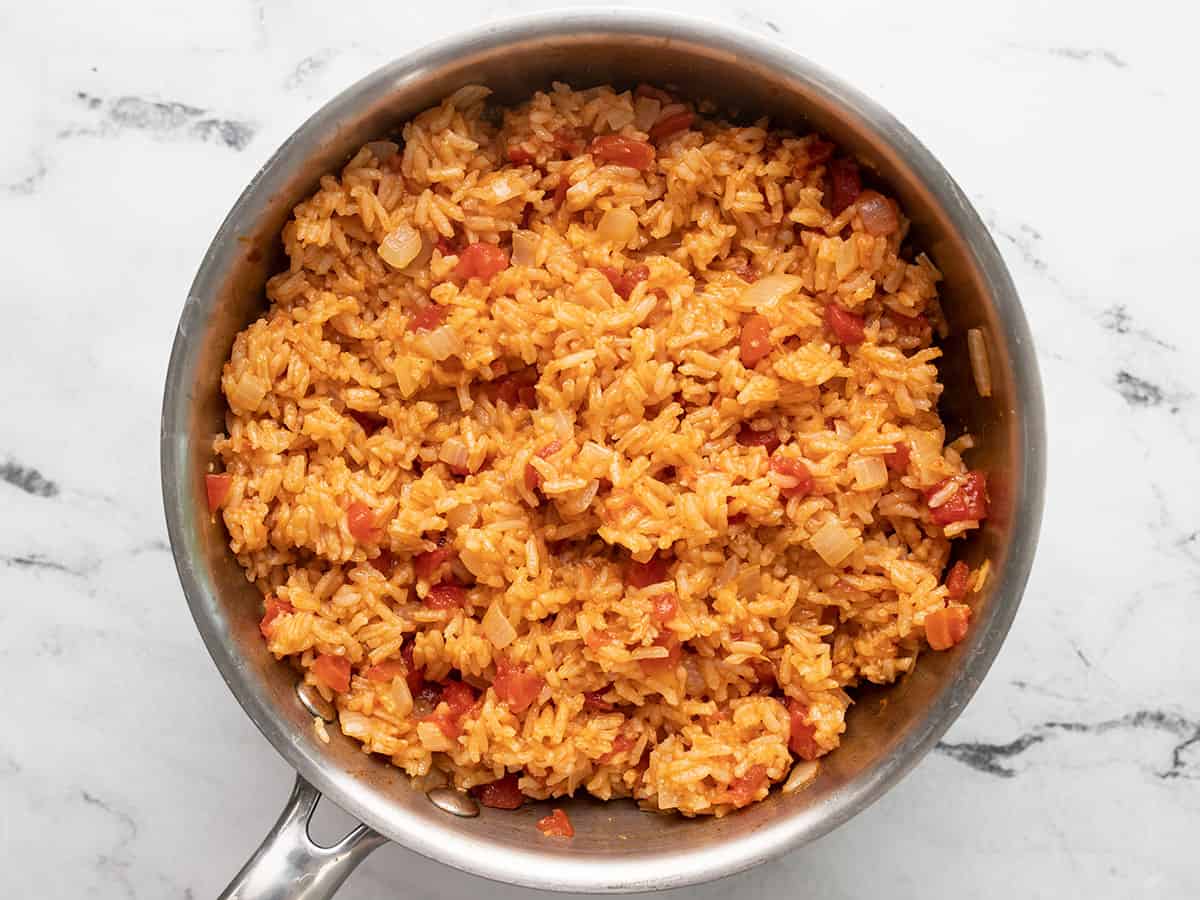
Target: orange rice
(519,508)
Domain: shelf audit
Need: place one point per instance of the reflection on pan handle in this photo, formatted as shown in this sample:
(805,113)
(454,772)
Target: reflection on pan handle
(289,866)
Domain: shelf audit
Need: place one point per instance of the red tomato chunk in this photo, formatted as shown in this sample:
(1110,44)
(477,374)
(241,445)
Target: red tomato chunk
(384,563)
(640,575)
(384,672)
(744,789)
(663,608)
(428,318)
(481,261)
(427,563)
(845,184)
(969,502)
(756,340)
(748,437)
(518,155)
(795,479)
(620,744)
(958,580)
(671,125)
(846,326)
(361,522)
(274,609)
(502,794)
(898,459)
(623,151)
(446,596)
(556,825)
(217,489)
(801,740)
(516,685)
(624,282)
(946,627)
(459,696)
(333,671)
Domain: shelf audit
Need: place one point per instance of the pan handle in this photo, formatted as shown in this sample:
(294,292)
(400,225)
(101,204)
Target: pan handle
(289,866)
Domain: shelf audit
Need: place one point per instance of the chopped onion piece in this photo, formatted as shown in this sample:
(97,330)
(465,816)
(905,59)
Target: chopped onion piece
(833,543)
(401,696)
(980,367)
(619,117)
(462,516)
(421,260)
(401,247)
(454,453)
(869,473)
(524,248)
(803,774)
(770,290)
(646,111)
(618,226)
(497,628)
(439,344)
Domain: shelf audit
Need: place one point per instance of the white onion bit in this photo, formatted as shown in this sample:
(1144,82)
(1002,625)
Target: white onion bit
(803,774)
(618,226)
(833,543)
(497,628)
(400,247)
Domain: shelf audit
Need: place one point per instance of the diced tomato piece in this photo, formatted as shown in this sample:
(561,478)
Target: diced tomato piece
(623,151)
(846,326)
(802,739)
(516,685)
(274,608)
(653,571)
(946,627)
(370,422)
(898,459)
(845,184)
(596,639)
(662,664)
(738,518)
(748,437)
(595,700)
(756,340)
(671,125)
(459,696)
(556,825)
(624,282)
(567,142)
(958,580)
(663,608)
(649,90)
(969,502)
(502,794)
(361,522)
(385,671)
(446,596)
(560,191)
(427,563)
(746,271)
(533,478)
(481,261)
(333,671)
(518,155)
(744,789)
(446,247)
(217,489)
(517,388)
(384,563)
(415,676)
(429,317)
(620,744)
(795,471)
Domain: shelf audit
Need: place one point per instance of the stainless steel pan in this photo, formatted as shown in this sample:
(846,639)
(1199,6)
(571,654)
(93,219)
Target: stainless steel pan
(617,848)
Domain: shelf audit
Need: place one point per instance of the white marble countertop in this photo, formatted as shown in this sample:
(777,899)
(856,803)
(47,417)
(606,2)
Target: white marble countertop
(126,767)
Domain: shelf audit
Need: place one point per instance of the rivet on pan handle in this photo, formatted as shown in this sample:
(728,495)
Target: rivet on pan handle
(289,866)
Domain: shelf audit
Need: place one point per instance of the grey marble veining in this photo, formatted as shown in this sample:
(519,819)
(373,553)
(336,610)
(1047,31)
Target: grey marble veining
(126,768)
